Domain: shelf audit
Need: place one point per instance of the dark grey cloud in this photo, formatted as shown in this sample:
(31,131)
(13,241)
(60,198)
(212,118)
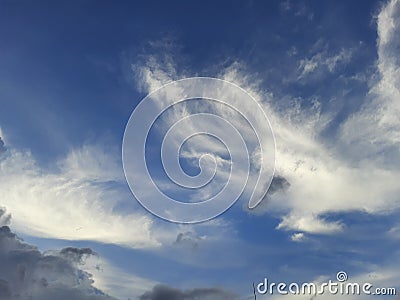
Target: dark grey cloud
(4,217)
(187,239)
(2,147)
(77,255)
(163,292)
(26,273)
(278,183)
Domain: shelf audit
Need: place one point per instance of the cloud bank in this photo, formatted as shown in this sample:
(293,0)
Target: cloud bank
(26,273)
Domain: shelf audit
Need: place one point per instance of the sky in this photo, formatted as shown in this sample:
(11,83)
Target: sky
(327,76)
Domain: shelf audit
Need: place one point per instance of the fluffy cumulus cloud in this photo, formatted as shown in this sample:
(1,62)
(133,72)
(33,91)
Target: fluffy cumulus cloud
(163,292)
(26,273)
(359,172)
(77,200)
(69,273)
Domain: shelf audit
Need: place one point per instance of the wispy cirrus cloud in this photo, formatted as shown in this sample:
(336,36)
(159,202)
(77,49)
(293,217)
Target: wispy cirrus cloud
(326,178)
(76,200)
(355,173)
(373,133)
(323,63)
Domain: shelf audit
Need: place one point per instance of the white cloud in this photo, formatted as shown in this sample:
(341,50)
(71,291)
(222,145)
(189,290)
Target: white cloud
(94,163)
(69,273)
(297,237)
(394,232)
(323,62)
(199,146)
(322,179)
(77,201)
(309,224)
(373,133)
(2,147)
(355,173)
(26,273)
(2,134)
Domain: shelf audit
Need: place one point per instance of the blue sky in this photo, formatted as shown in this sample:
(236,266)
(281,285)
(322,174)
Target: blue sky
(325,72)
